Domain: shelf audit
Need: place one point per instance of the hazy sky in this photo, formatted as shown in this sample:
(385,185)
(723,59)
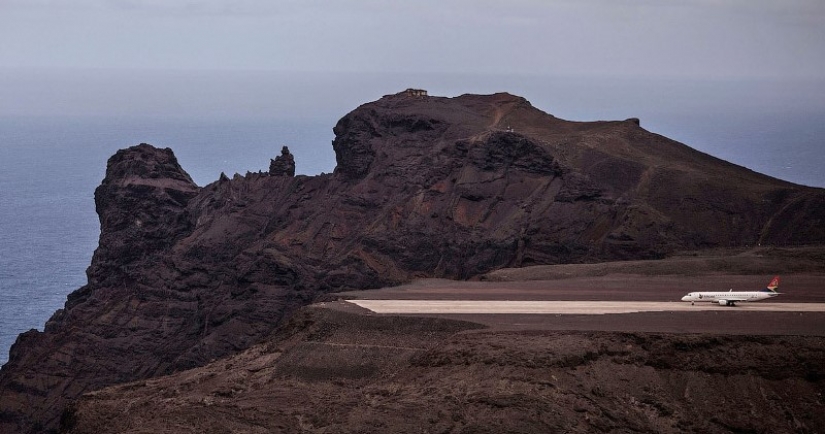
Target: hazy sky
(639,38)
(730,77)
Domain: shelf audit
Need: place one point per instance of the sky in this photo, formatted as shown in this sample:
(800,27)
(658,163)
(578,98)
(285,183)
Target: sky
(743,80)
(618,38)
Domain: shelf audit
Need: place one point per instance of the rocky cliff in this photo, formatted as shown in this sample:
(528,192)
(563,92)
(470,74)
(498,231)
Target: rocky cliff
(424,186)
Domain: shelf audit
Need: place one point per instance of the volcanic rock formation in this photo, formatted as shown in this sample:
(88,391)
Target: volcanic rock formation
(282,165)
(424,187)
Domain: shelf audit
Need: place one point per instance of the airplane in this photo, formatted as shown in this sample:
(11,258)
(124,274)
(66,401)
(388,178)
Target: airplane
(731,297)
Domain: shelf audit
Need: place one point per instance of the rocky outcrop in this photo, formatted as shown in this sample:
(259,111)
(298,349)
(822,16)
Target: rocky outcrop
(141,204)
(424,187)
(282,165)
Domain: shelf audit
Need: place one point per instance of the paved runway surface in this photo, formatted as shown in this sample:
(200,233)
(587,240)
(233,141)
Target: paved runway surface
(568,307)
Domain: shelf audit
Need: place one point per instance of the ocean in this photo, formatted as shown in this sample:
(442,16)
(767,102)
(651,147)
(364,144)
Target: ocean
(51,162)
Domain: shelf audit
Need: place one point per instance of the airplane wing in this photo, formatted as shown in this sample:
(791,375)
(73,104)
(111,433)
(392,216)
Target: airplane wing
(733,299)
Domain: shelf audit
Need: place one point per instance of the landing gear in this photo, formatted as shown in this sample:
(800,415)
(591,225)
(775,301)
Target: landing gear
(692,303)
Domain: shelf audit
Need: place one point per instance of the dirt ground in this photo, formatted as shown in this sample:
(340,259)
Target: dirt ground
(336,367)
(795,288)
(332,371)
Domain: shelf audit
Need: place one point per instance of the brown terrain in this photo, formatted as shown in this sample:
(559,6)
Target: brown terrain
(195,296)
(335,367)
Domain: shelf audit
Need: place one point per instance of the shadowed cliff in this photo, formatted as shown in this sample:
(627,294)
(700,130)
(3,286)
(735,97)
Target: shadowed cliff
(424,187)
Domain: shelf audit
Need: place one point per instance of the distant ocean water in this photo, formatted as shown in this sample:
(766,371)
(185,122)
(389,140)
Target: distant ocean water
(50,165)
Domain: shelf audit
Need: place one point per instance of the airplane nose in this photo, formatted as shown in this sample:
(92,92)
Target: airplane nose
(685,298)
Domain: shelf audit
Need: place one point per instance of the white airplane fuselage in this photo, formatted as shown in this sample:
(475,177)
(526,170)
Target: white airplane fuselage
(728,298)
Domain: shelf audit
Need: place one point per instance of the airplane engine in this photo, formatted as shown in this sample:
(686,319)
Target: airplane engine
(723,303)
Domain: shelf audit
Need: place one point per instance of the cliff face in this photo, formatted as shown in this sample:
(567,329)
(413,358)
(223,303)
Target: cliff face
(424,187)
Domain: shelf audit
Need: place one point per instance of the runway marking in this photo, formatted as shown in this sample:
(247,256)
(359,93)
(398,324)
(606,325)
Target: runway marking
(568,307)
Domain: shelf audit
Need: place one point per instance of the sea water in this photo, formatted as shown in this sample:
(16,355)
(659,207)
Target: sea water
(53,152)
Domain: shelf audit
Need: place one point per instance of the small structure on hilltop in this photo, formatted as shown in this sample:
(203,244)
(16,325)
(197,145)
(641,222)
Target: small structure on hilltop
(415,92)
(282,165)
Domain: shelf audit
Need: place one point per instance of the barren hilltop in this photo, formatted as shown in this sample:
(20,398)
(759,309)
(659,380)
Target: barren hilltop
(424,187)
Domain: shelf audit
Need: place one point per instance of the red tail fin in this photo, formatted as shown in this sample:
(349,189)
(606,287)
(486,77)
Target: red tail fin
(774,284)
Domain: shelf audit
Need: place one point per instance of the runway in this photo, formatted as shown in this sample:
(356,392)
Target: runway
(510,307)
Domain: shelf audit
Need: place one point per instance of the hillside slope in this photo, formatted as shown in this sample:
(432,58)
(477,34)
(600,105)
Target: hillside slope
(335,372)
